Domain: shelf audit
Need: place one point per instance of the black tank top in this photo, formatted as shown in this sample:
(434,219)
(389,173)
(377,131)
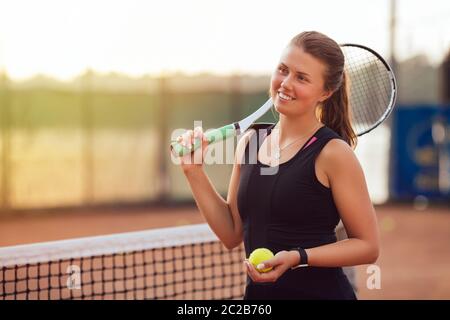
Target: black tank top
(288,209)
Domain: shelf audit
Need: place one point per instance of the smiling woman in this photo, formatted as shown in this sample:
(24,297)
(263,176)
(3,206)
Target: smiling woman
(317,170)
(293,210)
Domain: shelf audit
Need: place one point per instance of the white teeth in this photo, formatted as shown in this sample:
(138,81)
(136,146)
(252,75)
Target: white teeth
(283,96)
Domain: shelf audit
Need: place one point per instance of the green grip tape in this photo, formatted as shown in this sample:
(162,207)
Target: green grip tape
(211,136)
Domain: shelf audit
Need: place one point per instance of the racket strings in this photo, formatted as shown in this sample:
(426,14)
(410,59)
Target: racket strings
(370,87)
(369,92)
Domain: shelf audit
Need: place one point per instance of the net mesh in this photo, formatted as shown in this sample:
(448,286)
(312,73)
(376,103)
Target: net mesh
(372,88)
(171,263)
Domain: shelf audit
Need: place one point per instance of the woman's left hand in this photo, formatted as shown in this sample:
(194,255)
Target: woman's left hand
(280,263)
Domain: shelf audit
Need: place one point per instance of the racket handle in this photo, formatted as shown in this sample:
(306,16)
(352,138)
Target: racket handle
(212,136)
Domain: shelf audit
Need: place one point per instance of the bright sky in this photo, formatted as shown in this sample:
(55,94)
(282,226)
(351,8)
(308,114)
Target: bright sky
(62,38)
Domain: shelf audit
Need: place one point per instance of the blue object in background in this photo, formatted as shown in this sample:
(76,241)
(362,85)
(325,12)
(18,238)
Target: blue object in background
(419,163)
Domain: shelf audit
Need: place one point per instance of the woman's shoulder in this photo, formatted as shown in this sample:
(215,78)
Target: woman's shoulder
(336,154)
(333,144)
(336,148)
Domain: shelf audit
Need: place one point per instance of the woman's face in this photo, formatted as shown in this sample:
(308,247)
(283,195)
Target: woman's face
(297,84)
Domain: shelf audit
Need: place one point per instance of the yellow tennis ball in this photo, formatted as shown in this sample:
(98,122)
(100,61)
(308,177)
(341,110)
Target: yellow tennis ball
(259,255)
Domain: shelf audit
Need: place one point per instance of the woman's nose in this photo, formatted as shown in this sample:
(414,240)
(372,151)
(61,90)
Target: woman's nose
(286,83)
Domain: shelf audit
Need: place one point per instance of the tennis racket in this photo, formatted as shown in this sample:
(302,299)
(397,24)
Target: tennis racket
(373,92)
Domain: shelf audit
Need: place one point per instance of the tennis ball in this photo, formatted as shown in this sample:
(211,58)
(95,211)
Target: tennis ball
(259,255)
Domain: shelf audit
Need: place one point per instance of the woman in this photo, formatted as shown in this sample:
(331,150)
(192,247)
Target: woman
(316,181)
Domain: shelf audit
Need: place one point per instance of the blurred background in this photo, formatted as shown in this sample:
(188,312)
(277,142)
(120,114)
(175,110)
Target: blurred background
(90,92)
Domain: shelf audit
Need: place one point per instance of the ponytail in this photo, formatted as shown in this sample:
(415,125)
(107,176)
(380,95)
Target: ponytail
(335,113)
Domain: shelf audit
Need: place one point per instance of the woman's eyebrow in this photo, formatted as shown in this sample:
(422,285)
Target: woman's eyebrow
(297,72)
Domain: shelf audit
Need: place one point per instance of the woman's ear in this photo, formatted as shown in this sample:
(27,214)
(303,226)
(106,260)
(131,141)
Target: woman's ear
(325,96)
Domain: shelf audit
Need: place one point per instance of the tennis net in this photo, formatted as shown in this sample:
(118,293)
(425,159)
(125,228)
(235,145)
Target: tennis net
(185,262)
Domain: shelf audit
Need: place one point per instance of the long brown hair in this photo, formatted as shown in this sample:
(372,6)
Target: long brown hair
(335,111)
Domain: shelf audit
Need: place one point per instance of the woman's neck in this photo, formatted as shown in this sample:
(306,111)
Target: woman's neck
(294,128)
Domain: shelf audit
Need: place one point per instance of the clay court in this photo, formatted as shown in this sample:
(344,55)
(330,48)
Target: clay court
(414,256)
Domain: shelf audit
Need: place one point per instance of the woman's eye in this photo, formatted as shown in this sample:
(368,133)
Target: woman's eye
(282,70)
(301,78)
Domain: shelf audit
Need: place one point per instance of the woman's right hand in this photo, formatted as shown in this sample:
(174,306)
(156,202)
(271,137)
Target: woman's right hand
(193,160)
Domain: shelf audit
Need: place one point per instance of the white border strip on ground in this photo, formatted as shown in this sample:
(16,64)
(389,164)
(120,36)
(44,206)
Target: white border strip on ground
(104,245)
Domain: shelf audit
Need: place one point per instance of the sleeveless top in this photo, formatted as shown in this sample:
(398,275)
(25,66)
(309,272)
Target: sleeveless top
(289,208)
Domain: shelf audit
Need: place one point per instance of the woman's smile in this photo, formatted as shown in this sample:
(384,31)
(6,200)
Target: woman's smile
(285,97)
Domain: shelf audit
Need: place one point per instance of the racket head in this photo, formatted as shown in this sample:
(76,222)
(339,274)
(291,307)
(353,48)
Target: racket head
(372,87)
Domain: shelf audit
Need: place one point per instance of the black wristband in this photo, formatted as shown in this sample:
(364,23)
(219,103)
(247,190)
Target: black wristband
(303,258)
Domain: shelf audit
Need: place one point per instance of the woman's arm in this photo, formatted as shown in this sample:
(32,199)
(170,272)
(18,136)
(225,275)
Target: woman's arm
(350,194)
(212,206)
(222,216)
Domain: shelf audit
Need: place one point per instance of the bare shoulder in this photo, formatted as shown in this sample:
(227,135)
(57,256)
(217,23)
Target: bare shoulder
(337,157)
(337,148)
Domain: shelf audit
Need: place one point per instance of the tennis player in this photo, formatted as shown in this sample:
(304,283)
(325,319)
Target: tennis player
(318,182)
